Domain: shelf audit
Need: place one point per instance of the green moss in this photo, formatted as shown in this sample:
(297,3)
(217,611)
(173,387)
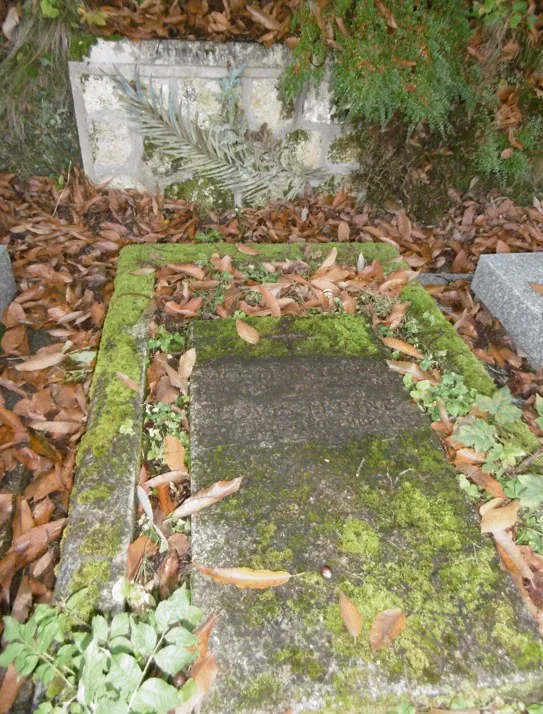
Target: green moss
(345,149)
(263,690)
(266,531)
(80,45)
(345,335)
(102,541)
(439,335)
(92,495)
(137,256)
(300,662)
(273,559)
(92,576)
(203,191)
(360,538)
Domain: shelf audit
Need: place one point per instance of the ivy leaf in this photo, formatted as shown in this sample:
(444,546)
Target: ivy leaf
(156,696)
(120,625)
(12,629)
(100,628)
(143,638)
(28,665)
(124,674)
(172,659)
(12,650)
(500,405)
(176,608)
(181,637)
(530,490)
(476,433)
(46,635)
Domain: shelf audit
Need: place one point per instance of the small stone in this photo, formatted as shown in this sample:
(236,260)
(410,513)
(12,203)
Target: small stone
(8,286)
(502,283)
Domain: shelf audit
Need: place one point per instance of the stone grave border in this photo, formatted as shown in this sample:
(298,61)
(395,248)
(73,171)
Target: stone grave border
(103,503)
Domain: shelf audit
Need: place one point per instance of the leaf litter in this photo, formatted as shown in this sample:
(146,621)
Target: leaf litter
(65,270)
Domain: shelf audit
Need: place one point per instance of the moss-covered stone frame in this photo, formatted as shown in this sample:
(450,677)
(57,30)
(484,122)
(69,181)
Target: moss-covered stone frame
(102,510)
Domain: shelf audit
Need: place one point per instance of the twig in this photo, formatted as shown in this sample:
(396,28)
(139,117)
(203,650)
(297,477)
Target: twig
(528,460)
(63,190)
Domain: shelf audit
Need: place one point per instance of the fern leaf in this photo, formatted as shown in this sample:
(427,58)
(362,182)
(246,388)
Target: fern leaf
(216,152)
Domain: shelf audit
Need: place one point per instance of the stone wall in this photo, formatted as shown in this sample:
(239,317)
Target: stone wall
(112,147)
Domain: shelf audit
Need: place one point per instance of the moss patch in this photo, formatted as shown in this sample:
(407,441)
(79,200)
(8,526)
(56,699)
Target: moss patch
(344,335)
(203,191)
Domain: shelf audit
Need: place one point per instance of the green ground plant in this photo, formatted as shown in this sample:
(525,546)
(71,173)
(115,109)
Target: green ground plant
(113,665)
(418,82)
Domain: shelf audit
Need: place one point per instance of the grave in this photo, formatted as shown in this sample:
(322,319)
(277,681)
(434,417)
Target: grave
(191,72)
(7,281)
(503,283)
(342,476)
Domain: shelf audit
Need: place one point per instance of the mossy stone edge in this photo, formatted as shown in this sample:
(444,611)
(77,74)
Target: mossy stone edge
(106,458)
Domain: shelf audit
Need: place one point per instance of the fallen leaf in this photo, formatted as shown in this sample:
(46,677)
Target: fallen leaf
(41,361)
(343,231)
(245,577)
(168,477)
(538,287)
(129,382)
(9,689)
(145,503)
(186,363)
(174,453)
(404,225)
(499,519)
(386,627)
(329,261)
(10,23)
(271,301)
(350,615)
(263,18)
(203,631)
(142,546)
(395,343)
(247,249)
(247,333)
(207,497)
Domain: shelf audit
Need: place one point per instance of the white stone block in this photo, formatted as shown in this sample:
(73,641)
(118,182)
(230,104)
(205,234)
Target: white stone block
(265,105)
(111,142)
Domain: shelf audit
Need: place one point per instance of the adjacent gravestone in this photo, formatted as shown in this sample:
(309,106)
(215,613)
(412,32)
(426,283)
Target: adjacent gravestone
(341,471)
(507,284)
(7,281)
(191,73)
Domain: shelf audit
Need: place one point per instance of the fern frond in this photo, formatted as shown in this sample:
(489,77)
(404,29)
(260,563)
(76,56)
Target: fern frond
(216,152)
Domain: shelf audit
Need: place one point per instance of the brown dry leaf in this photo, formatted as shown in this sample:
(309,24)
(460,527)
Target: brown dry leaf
(350,615)
(136,551)
(207,497)
(10,23)
(12,420)
(411,368)
(186,363)
(128,381)
(247,333)
(271,301)
(499,519)
(41,361)
(203,631)
(329,261)
(247,249)
(174,453)
(9,689)
(33,543)
(486,481)
(514,560)
(404,225)
(246,577)
(395,343)
(538,287)
(343,231)
(203,674)
(386,627)
(56,427)
(263,18)
(168,477)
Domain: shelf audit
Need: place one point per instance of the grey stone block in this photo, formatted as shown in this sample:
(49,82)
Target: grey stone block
(502,283)
(7,281)
(340,468)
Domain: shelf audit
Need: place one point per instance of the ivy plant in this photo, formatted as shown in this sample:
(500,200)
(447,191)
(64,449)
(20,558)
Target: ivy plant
(452,391)
(113,665)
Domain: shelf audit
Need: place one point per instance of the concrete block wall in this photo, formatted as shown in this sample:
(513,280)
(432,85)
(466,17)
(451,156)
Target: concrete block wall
(113,149)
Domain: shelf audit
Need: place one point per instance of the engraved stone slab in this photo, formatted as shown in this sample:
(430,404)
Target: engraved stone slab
(340,468)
